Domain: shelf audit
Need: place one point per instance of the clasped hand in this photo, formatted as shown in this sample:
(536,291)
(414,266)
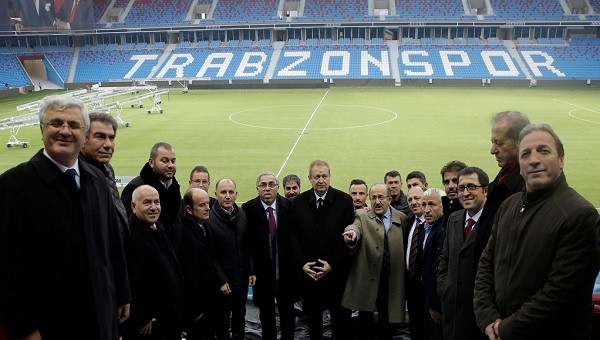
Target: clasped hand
(316,269)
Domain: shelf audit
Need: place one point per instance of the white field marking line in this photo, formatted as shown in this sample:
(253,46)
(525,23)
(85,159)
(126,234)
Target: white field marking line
(579,107)
(301,134)
(232,116)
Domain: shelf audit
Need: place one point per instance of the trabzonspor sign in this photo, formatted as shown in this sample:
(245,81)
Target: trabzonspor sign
(353,64)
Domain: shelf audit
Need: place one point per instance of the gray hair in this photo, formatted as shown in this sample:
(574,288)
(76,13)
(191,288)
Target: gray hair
(103,117)
(545,128)
(515,122)
(61,103)
(433,191)
(266,174)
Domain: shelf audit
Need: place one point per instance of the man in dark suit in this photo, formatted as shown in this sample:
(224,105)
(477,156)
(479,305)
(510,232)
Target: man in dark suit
(98,151)
(415,296)
(196,256)
(234,262)
(268,235)
(62,266)
(434,235)
(457,259)
(75,15)
(506,127)
(318,219)
(154,273)
(34,13)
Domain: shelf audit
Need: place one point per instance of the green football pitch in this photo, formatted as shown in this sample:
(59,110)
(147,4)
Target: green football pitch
(361,132)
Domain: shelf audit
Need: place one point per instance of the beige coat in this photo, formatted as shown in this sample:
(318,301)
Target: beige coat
(363,281)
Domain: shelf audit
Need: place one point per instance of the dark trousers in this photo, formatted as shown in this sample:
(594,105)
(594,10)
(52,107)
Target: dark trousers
(268,317)
(433,331)
(314,306)
(160,331)
(203,329)
(232,311)
(367,329)
(416,309)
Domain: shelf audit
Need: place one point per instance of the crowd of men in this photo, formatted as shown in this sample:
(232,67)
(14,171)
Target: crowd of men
(514,258)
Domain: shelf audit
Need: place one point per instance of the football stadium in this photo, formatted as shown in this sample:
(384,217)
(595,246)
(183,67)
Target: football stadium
(245,87)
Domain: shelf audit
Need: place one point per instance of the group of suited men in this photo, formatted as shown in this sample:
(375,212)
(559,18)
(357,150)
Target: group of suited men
(184,264)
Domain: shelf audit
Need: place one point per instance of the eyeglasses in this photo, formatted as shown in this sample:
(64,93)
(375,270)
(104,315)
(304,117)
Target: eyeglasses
(469,187)
(379,198)
(270,185)
(59,124)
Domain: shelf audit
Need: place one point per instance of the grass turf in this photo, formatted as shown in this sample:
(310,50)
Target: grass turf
(361,132)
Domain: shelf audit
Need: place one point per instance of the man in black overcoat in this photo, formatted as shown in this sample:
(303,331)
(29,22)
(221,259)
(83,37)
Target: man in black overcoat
(154,273)
(276,277)
(62,267)
(318,219)
(196,256)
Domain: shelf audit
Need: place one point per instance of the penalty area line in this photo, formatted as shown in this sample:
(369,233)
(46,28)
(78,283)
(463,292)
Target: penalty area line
(301,134)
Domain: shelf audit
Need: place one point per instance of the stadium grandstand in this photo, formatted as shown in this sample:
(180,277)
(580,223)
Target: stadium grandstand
(228,43)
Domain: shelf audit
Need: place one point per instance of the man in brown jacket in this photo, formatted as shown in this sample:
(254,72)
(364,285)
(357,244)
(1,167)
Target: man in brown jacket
(536,275)
(377,274)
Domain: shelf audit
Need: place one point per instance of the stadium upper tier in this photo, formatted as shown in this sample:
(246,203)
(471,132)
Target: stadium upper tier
(318,59)
(144,13)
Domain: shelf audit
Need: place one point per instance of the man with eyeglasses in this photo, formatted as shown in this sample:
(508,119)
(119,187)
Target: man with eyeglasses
(376,238)
(268,235)
(458,263)
(62,265)
(199,178)
(318,219)
(98,151)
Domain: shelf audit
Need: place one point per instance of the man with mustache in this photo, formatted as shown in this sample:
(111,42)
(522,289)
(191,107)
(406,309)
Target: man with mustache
(159,173)
(291,186)
(358,191)
(377,274)
(449,174)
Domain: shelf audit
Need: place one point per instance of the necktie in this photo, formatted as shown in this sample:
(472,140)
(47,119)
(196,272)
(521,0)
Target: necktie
(272,224)
(72,173)
(319,203)
(414,251)
(385,265)
(468,228)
